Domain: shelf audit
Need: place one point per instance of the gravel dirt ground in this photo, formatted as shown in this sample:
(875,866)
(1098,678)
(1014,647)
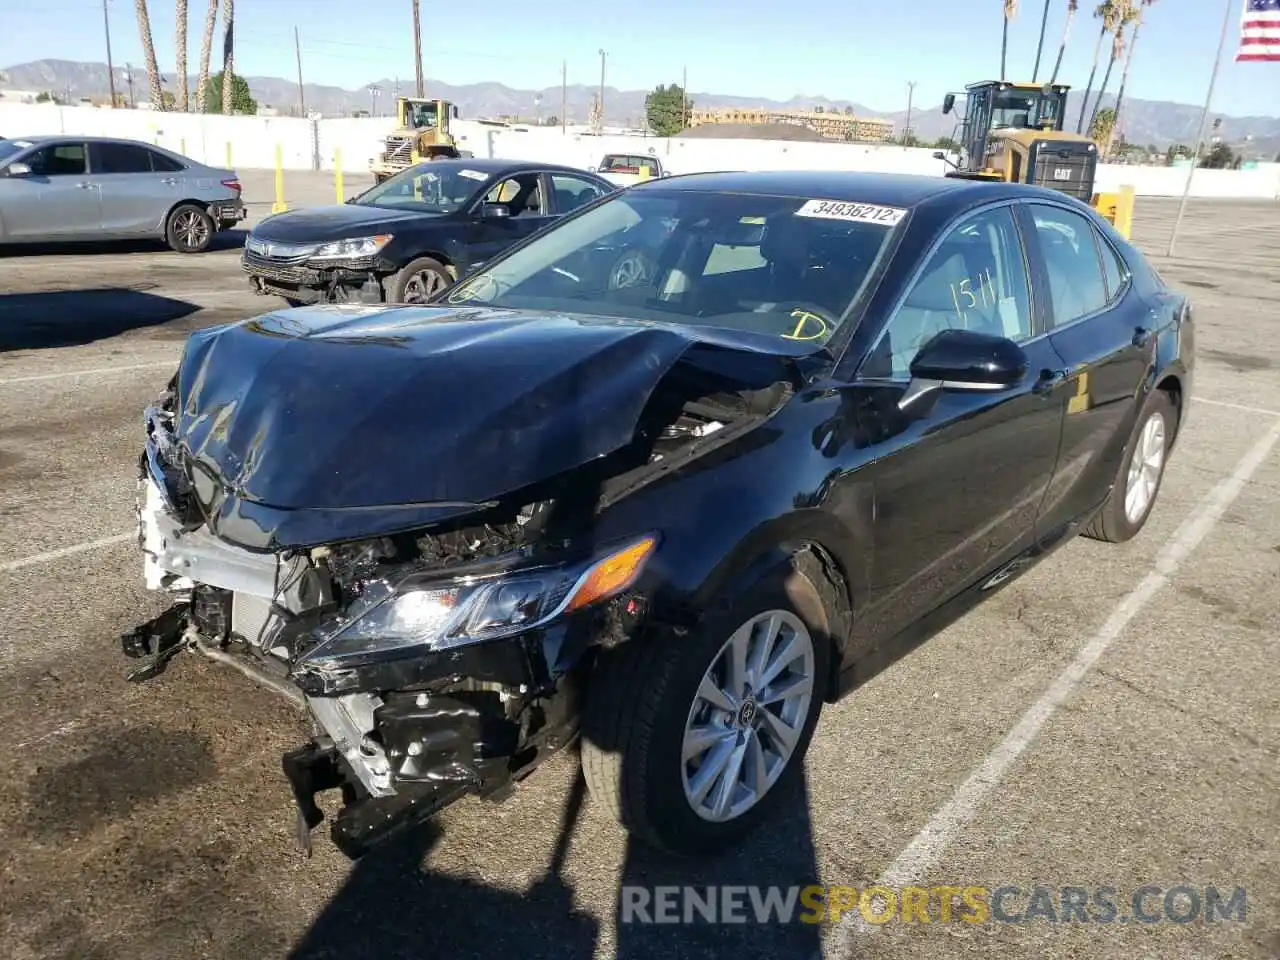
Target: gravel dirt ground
(152,822)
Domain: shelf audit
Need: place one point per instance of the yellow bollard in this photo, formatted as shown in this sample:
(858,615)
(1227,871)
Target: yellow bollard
(1124,212)
(337,173)
(182,146)
(229,165)
(279,206)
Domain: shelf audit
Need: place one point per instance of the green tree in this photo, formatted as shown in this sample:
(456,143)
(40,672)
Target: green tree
(947,145)
(668,110)
(1221,157)
(1104,123)
(241,100)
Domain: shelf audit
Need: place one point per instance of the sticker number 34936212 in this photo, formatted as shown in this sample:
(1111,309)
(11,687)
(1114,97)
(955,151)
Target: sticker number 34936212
(859,212)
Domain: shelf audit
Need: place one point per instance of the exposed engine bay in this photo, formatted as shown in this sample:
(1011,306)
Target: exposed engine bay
(435,662)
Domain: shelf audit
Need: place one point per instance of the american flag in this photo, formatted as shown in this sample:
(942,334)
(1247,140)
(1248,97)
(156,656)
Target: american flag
(1260,31)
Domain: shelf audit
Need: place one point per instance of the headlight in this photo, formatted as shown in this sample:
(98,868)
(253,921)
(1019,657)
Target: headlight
(436,614)
(351,249)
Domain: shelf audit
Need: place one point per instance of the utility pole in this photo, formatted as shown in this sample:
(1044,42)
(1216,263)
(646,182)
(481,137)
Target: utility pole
(684,97)
(297,49)
(128,75)
(602,56)
(111,73)
(1204,122)
(911,90)
(564,95)
(417,48)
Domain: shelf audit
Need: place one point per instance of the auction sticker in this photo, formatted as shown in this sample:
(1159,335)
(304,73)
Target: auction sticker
(473,175)
(857,212)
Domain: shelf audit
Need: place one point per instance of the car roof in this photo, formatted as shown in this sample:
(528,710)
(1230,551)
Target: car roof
(86,138)
(502,165)
(884,189)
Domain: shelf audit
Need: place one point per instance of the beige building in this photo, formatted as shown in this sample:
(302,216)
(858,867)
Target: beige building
(832,126)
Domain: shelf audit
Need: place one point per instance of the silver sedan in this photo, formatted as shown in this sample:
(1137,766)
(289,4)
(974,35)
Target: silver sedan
(101,188)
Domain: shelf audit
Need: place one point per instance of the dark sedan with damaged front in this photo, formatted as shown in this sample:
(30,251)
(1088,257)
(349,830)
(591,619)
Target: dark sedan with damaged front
(663,480)
(411,236)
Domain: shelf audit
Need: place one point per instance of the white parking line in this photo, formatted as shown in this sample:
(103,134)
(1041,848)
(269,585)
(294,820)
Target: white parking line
(95,371)
(933,839)
(1238,406)
(52,555)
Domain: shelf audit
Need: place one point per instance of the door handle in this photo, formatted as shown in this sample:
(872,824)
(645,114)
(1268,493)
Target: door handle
(1048,380)
(169,180)
(1140,336)
(86,186)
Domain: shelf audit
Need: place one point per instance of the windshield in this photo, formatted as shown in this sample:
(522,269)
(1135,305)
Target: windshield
(11,148)
(1024,110)
(436,186)
(422,115)
(785,266)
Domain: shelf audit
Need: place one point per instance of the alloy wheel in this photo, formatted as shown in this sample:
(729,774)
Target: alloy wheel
(422,286)
(1144,469)
(191,229)
(748,715)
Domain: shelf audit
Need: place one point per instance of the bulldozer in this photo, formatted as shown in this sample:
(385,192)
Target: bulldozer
(422,133)
(1013,133)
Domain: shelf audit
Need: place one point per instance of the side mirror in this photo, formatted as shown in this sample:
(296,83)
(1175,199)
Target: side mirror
(455,113)
(948,103)
(495,211)
(18,170)
(965,360)
(939,155)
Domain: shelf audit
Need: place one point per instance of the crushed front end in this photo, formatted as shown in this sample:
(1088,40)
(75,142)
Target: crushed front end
(435,664)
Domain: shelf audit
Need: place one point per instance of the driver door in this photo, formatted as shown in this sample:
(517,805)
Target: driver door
(957,489)
(526,197)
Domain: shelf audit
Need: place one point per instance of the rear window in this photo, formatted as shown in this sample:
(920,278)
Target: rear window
(778,266)
(626,163)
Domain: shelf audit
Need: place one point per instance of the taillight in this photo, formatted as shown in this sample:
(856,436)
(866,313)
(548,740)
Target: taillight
(232,183)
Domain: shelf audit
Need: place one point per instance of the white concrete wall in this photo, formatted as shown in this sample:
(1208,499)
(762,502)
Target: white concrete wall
(252,142)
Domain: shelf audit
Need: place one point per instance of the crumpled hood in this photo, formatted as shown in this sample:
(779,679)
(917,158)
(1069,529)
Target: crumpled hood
(334,408)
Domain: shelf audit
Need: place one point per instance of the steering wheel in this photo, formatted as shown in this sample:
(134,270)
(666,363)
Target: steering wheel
(808,321)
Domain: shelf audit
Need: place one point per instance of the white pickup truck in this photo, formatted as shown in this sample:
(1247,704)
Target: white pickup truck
(625,169)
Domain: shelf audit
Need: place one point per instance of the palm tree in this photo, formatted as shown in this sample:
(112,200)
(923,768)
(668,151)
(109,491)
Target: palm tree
(1072,7)
(1133,42)
(1010,11)
(149,51)
(417,48)
(228,55)
(181,42)
(1102,128)
(1044,22)
(202,78)
(1106,12)
(1128,14)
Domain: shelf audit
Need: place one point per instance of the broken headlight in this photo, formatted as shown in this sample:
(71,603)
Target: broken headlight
(351,249)
(433,614)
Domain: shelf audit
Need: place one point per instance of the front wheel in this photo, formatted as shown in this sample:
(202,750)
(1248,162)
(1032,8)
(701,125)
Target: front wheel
(419,281)
(692,740)
(1137,482)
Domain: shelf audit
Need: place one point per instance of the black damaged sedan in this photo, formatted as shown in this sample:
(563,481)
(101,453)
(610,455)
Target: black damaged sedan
(659,481)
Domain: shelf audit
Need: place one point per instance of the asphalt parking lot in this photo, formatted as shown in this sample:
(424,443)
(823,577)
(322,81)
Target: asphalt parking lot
(1110,720)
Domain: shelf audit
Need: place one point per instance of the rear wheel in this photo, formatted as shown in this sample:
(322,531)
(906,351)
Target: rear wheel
(419,281)
(1137,483)
(189,229)
(692,740)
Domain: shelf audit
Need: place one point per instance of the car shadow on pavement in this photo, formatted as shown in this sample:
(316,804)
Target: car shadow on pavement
(232,239)
(71,318)
(391,907)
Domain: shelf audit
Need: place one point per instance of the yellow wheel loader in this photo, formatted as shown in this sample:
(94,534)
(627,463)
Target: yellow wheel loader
(1013,132)
(422,133)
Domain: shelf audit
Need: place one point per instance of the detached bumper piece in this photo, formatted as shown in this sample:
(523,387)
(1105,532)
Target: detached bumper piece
(441,747)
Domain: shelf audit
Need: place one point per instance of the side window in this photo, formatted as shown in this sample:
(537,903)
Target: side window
(162,164)
(119,158)
(1076,284)
(60,160)
(522,193)
(1115,268)
(976,279)
(572,192)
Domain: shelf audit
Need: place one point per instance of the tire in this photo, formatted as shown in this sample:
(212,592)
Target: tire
(294,303)
(644,695)
(189,229)
(416,274)
(1157,423)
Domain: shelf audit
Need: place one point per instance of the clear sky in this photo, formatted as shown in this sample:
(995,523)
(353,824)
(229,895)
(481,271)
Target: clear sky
(844,49)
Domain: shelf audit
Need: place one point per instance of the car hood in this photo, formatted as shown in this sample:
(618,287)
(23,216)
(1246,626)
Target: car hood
(341,222)
(315,424)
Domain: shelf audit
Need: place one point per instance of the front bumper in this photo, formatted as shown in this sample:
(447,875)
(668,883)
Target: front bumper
(356,281)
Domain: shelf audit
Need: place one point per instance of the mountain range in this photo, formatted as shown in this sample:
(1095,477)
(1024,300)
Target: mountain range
(1159,123)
